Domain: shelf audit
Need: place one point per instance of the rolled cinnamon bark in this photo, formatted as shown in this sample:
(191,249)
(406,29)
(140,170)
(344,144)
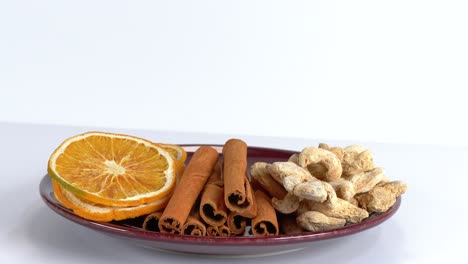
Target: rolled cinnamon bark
(212,209)
(212,231)
(265,223)
(222,231)
(238,194)
(215,177)
(186,192)
(151,222)
(194,226)
(236,223)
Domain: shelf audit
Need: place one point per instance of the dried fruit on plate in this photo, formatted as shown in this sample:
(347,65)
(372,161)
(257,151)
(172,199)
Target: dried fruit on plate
(104,213)
(112,169)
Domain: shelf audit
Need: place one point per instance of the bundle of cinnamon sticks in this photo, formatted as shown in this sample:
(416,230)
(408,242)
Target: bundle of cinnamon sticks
(214,197)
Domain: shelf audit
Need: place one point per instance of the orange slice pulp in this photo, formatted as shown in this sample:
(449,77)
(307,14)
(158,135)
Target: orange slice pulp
(113,169)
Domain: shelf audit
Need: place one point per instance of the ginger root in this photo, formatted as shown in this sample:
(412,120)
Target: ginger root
(344,189)
(316,221)
(381,197)
(321,163)
(287,205)
(328,187)
(357,183)
(289,174)
(294,158)
(339,152)
(339,208)
(313,190)
(298,181)
(365,181)
(260,173)
(356,159)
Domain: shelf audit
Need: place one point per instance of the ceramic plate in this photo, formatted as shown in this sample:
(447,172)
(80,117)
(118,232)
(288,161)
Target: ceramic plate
(234,246)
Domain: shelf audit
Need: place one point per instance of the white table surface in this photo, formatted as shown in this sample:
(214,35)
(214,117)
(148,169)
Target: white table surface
(429,226)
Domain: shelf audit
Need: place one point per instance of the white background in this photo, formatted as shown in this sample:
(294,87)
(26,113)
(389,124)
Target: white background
(392,71)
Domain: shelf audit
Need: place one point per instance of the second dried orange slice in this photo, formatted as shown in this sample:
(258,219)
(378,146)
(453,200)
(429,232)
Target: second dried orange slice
(104,213)
(179,154)
(113,169)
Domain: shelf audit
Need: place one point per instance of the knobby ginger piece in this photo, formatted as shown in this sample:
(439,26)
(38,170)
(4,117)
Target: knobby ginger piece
(298,181)
(382,197)
(314,191)
(331,195)
(321,163)
(330,201)
(339,152)
(259,169)
(260,173)
(354,202)
(287,205)
(356,159)
(294,158)
(358,183)
(365,181)
(316,221)
(344,189)
(289,174)
(340,209)
(383,181)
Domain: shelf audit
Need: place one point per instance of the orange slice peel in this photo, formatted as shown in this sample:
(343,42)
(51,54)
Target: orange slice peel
(179,154)
(104,213)
(113,169)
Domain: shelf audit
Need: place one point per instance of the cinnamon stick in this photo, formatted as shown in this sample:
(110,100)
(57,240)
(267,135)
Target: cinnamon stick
(212,231)
(212,209)
(151,222)
(222,231)
(215,177)
(236,223)
(193,225)
(265,223)
(186,192)
(238,194)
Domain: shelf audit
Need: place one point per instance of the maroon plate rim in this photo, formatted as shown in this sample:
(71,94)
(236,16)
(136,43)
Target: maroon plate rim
(46,192)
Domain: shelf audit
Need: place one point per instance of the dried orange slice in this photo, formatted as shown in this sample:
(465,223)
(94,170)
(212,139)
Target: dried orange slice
(179,154)
(113,169)
(104,213)
(176,151)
